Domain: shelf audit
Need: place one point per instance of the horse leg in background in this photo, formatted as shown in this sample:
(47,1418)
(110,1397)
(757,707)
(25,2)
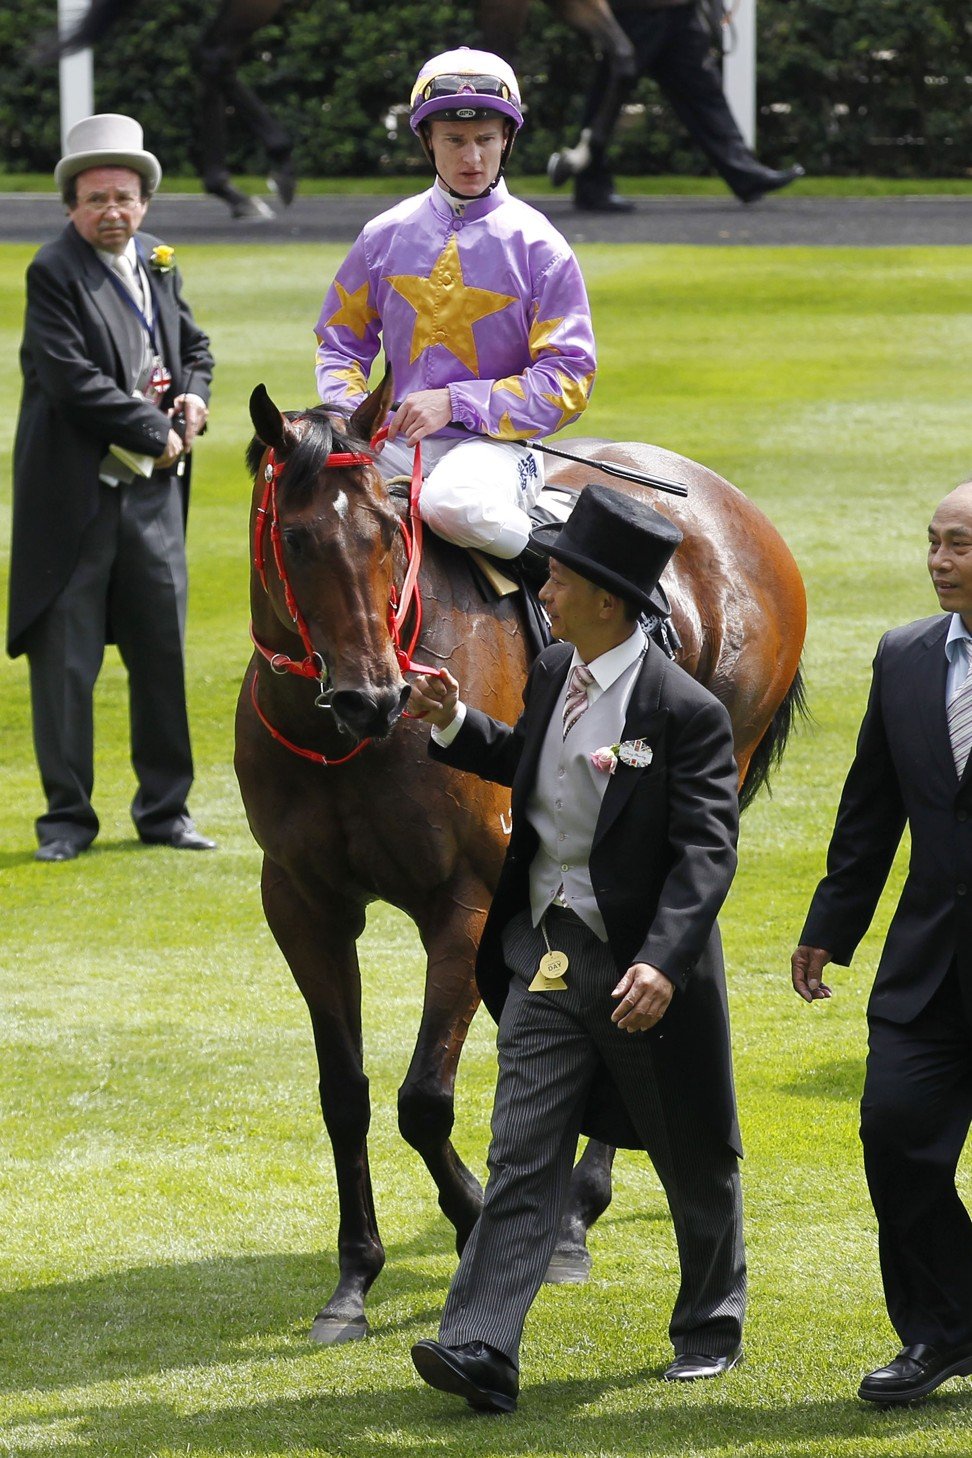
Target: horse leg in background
(218,56)
(319,945)
(588,1197)
(616,76)
(426,1102)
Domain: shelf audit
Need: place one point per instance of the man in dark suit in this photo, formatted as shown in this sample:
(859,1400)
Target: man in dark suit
(672,47)
(116,383)
(912,768)
(601,958)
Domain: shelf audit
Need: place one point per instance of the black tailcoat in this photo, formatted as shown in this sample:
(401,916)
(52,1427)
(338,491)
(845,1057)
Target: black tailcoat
(75,404)
(662,859)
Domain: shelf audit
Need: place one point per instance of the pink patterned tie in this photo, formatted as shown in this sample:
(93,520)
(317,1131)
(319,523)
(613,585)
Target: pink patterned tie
(576,702)
(960,714)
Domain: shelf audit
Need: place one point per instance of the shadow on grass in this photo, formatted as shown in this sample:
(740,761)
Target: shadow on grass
(11,858)
(574,1418)
(839,1080)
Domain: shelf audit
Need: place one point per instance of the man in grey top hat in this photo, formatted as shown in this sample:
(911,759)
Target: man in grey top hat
(116,383)
(600,958)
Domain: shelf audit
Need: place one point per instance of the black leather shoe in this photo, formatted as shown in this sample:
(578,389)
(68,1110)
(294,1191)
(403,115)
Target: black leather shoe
(58,850)
(914,1372)
(770,181)
(484,1377)
(602,202)
(183,840)
(690,1367)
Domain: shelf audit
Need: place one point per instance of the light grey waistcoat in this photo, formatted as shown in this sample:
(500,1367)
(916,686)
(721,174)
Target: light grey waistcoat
(133,345)
(566,800)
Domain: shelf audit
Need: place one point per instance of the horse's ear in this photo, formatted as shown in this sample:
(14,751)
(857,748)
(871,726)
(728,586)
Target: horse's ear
(371,413)
(271,427)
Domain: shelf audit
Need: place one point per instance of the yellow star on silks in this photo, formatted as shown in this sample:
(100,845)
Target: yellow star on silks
(512,385)
(572,398)
(354,376)
(355,312)
(506,430)
(540,332)
(446,307)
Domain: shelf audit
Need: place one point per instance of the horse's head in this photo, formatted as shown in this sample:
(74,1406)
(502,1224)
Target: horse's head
(334,543)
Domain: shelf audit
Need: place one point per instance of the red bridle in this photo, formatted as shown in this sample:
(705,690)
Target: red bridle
(312,666)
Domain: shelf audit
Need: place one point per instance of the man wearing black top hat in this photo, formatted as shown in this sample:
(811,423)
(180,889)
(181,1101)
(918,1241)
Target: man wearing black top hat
(601,958)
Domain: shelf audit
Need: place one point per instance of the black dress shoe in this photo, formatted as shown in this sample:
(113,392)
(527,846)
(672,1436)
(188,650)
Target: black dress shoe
(602,202)
(691,1367)
(58,850)
(484,1377)
(182,840)
(769,181)
(914,1372)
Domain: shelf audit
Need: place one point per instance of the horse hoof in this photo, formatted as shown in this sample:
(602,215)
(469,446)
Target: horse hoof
(559,169)
(569,1267)
(253,208)
(283,183)
(330,1331)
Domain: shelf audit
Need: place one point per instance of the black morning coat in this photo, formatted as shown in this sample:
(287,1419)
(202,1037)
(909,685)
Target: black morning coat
(662,860)
(75,404)
(903,772)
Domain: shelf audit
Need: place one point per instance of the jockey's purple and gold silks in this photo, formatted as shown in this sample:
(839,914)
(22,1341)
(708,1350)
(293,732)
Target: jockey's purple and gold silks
(488,301)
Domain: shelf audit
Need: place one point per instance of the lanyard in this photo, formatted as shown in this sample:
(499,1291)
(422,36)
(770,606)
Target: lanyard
(127,298)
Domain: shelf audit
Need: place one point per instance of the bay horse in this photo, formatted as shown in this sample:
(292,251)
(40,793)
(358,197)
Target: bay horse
(348,807)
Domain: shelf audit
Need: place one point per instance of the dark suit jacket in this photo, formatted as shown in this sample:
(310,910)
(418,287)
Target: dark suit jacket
(75,404)
(662,860)
(903,772)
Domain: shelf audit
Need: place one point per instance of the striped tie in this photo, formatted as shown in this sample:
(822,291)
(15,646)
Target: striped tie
(576,702)
(960,714)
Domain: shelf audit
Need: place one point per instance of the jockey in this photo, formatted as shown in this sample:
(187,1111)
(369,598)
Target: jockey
(482,311)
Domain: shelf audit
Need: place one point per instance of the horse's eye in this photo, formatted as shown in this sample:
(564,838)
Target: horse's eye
(295,540)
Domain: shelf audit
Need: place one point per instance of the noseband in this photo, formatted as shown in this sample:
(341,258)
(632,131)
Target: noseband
(312,666)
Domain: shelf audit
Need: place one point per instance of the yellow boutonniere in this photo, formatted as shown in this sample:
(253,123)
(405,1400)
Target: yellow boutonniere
(162,258)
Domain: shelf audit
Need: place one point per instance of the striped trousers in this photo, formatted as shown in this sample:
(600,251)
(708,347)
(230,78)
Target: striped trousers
(551,1045)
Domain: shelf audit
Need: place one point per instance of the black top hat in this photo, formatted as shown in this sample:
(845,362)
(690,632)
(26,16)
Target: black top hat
(615,540)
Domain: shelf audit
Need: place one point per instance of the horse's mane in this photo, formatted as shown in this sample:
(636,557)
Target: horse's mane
(321,435)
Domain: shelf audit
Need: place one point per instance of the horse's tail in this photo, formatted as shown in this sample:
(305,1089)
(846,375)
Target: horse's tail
(94,24)
(770,749)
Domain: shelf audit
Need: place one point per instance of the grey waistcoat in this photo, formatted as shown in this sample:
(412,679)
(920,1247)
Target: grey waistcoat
(566,800)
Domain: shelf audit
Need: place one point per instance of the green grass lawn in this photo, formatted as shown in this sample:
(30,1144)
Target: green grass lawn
(166,1196)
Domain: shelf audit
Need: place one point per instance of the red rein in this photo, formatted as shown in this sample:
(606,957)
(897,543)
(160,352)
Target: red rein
(312,666)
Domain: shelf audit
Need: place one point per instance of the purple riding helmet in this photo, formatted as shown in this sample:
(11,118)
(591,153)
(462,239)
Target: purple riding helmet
(466,85)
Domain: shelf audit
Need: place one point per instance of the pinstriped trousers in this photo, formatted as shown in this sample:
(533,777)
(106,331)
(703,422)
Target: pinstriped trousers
(551,1045)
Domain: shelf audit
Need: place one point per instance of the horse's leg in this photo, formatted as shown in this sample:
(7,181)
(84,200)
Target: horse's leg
(588,1197)
(617,73)
(217,57)
(319,945)
(426,1106)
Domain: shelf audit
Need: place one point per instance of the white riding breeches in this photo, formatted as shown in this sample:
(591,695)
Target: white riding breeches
(476,493)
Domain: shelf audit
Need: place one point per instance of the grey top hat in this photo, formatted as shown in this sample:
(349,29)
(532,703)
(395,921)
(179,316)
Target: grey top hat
(107,140)
(615,540)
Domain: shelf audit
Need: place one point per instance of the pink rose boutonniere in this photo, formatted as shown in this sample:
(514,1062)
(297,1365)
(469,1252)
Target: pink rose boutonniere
(606,758)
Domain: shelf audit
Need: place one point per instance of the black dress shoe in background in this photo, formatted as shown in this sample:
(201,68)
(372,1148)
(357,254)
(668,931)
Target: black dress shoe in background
(58,850)
(914,1372)
(769,181)
(691,1367)
(601,201)
(484,1377)
(182,839)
